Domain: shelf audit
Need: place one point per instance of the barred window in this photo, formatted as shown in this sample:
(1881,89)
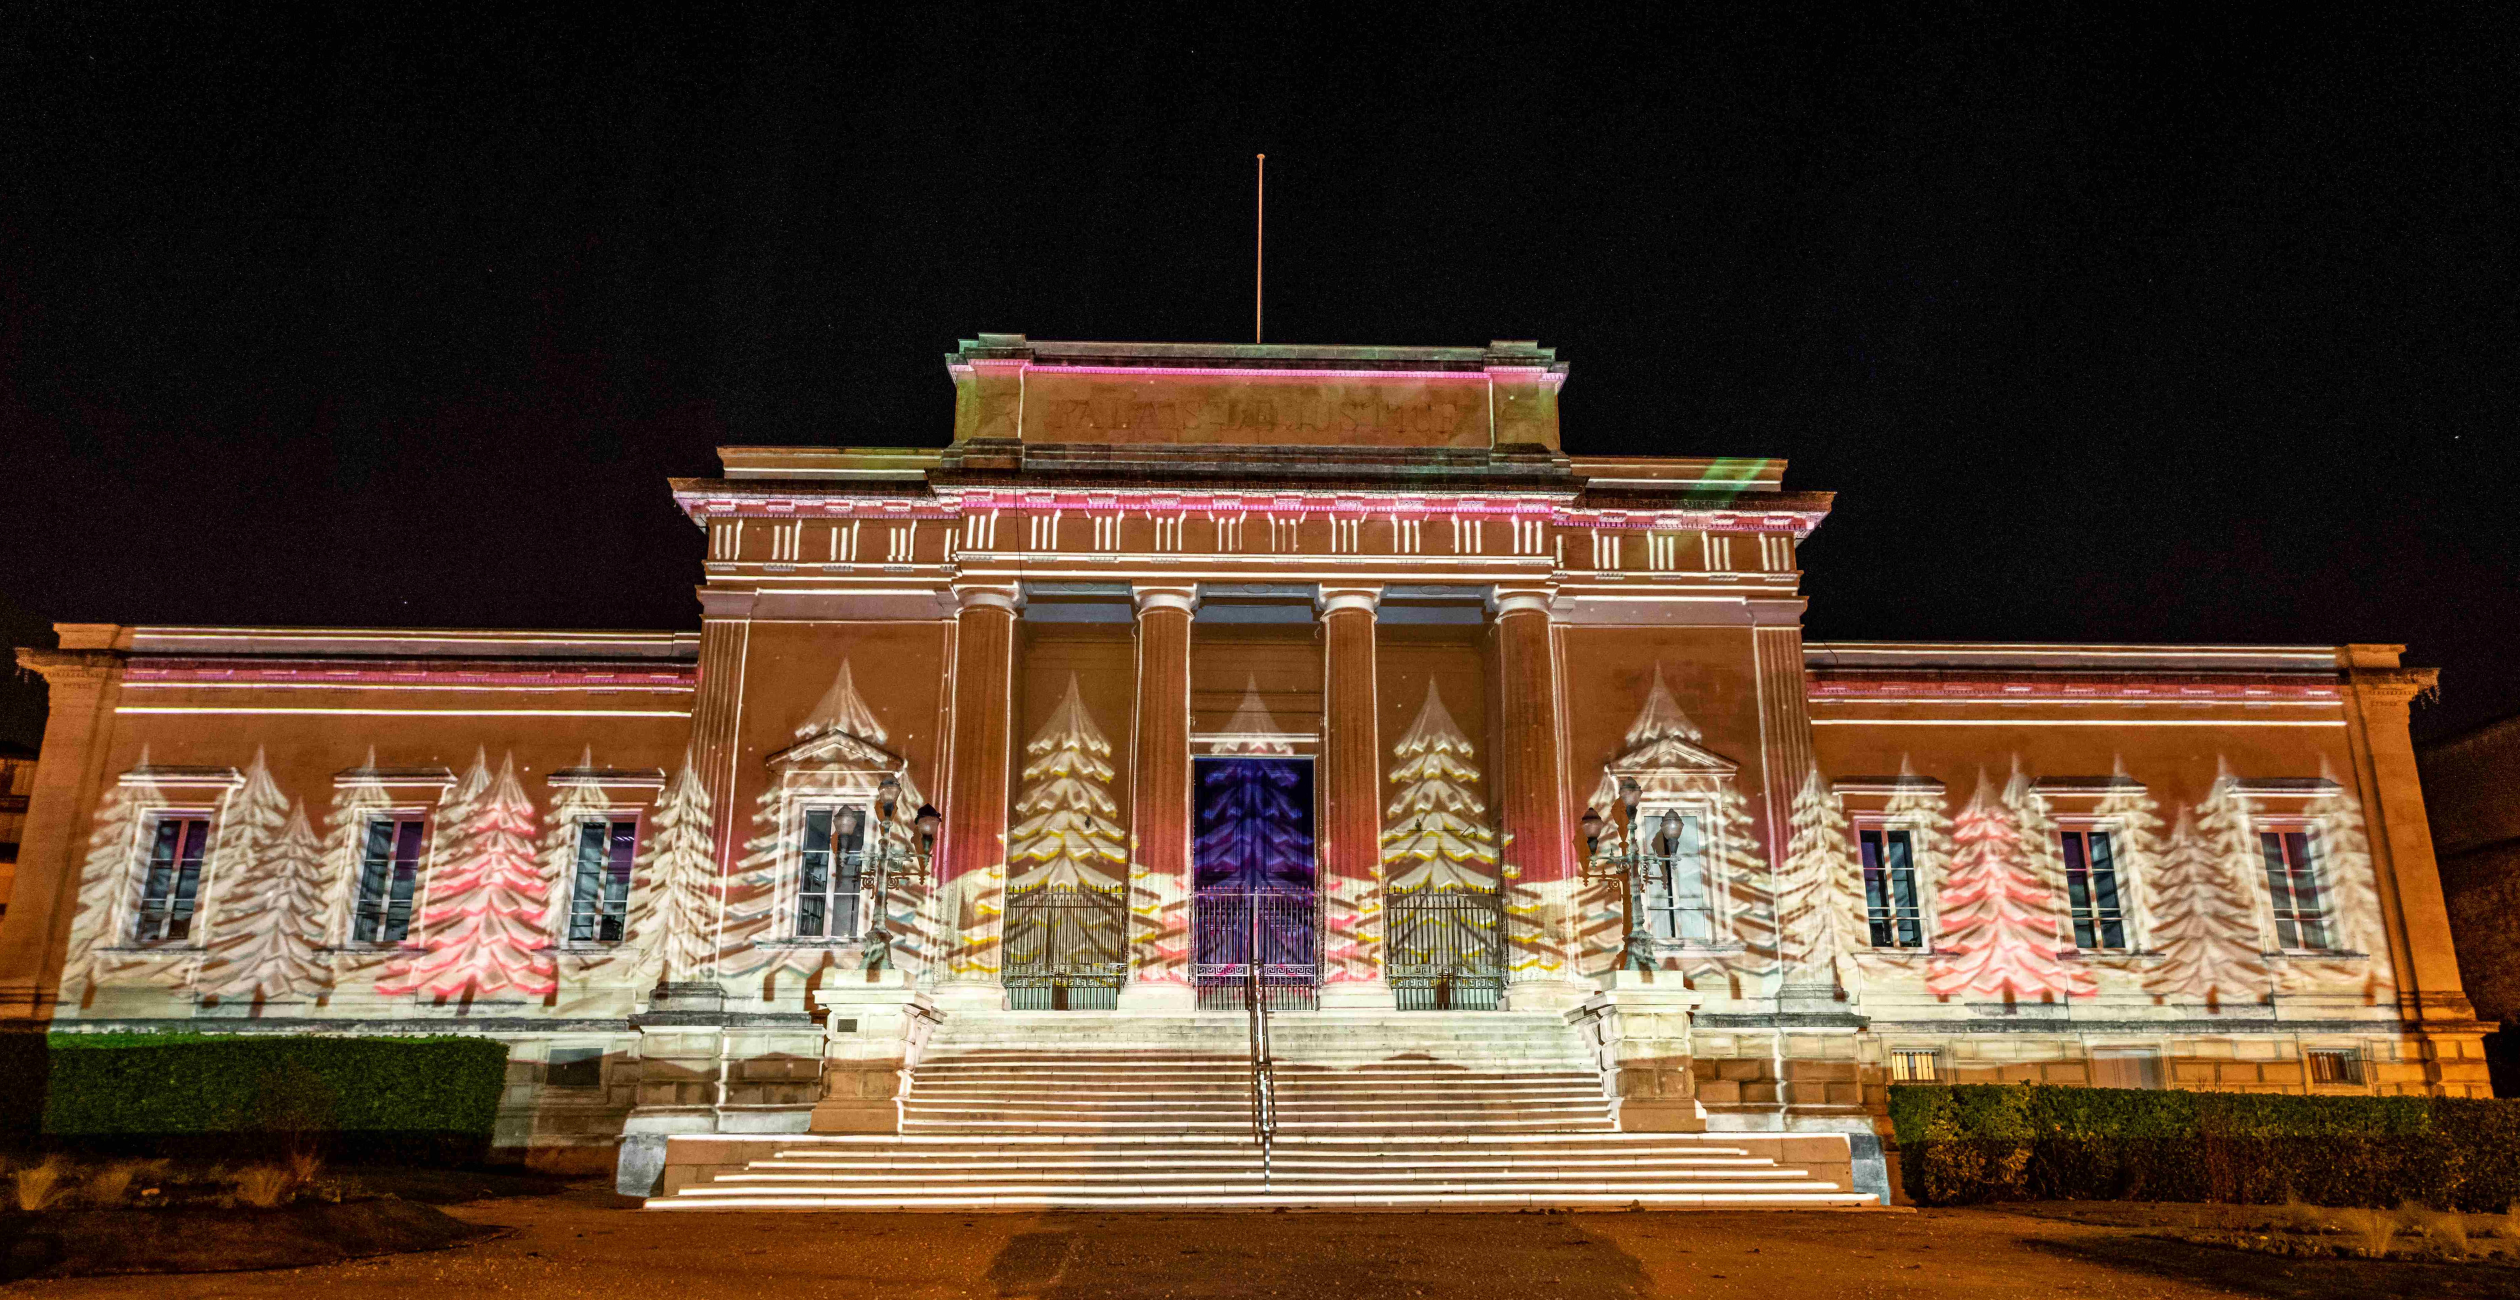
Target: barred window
(1890,904)
(2336,1065)
(828,902)
(171,882)
(2091,891)
(2292,881)
(599,897)
(389,870)
(1915,1065)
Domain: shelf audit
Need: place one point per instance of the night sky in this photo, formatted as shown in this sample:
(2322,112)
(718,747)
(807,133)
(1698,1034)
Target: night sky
(2193,323)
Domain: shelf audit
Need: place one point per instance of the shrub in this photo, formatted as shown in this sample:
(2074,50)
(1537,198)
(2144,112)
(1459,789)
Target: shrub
(1993,1142)
(429,1099)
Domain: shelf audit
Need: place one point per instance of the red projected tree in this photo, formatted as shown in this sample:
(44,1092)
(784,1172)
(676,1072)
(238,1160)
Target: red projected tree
(484,920)
(1997,916)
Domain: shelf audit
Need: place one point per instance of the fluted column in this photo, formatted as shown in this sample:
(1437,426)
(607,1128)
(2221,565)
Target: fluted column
(1159,803)
(971,859)
(1530,785)
(1351,801)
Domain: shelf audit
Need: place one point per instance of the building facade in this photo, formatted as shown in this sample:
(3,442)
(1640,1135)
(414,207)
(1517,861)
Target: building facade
(1185,659)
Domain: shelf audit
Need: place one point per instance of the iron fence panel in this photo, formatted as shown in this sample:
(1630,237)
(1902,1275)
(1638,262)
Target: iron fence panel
(1066,947)
(1444,949)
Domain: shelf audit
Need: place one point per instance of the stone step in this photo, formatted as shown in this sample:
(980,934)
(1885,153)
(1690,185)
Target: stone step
(1450,1200)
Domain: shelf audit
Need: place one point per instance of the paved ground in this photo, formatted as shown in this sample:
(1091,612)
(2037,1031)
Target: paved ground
(584,1244)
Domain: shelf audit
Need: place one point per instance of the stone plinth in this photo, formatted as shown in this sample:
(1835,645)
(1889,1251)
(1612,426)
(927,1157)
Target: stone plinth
(875,1031)
(1638,1029)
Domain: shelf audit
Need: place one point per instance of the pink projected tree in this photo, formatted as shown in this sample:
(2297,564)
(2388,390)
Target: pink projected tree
(2204,915)
(1436,838)
(484,922)
(1070,833)
(673,909)
(273,931)
(1998,922)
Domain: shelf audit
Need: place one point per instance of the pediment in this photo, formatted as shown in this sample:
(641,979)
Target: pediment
(1671,756)
(835,751)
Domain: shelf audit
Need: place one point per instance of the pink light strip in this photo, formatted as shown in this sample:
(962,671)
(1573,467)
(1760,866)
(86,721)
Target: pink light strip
(1476,376)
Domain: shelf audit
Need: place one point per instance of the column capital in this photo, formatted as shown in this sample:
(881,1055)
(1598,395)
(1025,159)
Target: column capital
(726,604)
(1009,598)
(69,667)
(1149,597)
(2395,688)
(1503,600)
(1362,598)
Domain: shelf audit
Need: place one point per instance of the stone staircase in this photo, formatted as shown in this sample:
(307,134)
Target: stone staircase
(1092,1111)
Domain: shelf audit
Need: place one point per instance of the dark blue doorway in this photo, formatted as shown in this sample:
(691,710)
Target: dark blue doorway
(1255,872)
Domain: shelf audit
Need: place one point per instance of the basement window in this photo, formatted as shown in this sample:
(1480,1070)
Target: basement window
(1915,1065)
(2336,1067)
(575,1067)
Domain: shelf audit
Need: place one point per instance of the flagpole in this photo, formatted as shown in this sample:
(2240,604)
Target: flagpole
(1259,246)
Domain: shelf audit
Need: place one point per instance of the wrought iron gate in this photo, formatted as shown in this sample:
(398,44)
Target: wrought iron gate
(1067,947)
(1445,949)
(1283,925)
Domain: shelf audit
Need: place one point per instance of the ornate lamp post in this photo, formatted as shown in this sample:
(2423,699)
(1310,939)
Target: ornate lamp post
(889,850)
(1624,866)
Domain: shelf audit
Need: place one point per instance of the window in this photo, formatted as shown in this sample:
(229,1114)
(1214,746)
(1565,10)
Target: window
(2091,891)
(2292,880)
(172,880)
(389,868)
(574,1067)
(599,898)
(1915,1065)
(827,887)
(1674,893)
(2336,1066)
(2126,1067)
(1890,889)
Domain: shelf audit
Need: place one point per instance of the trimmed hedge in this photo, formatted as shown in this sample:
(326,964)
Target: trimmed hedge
(428,1099)
(1967,1143)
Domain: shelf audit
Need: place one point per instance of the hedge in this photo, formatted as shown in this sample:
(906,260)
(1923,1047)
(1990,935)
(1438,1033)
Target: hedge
(2002,1142)
(428,1099)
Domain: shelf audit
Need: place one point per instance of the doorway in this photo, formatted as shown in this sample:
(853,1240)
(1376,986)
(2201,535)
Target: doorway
(1256,878)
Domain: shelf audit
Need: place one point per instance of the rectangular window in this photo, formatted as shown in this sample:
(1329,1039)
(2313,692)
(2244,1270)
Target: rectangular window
(172,880)
(574,1067)
(1890,889)
(827,900)
(389,869)
(2091,891)
(2292,881)
(2126,1068)
(599,898)
(2342,1065)
(1915,1065)
(1674,890)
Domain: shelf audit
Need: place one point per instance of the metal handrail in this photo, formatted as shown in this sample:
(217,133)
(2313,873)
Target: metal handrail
(1263,1070)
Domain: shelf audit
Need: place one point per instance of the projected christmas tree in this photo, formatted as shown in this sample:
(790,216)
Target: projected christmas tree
(2342,849)
(484,932)
(1998,922)
(2204,912)
(2042,850)
(1819,901)
(1069,832)
(249,822)
(272,929)
(673,911)
(1436,836)
(572,807)
(113,862)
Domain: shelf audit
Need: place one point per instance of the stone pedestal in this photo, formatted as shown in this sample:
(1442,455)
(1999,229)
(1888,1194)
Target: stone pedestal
(1638,1029)
(874,1032)
(705,1069)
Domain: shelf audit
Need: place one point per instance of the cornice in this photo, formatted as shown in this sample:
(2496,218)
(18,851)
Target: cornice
(62,667)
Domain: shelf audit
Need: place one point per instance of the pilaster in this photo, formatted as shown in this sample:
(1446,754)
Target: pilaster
(1351,800)
(1531,787)
(2379,693)
(1159,803)
(717,716)
(85,677)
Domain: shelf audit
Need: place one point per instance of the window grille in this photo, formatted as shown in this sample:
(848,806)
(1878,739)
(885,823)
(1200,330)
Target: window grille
(1673,891)
(2091,890)
(599,899)
(389,869)
(1890,905)
(1915,1065)
(172,880)
(828,901)
(2292,881)
(2336,1066)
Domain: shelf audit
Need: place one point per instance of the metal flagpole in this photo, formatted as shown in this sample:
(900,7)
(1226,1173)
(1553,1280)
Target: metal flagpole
(1259,245)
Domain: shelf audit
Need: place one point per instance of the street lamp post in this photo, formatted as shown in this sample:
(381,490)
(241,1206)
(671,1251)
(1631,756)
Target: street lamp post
(1637,948)
(877,944)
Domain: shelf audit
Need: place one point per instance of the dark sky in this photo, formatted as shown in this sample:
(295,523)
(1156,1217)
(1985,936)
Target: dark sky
(2193,323)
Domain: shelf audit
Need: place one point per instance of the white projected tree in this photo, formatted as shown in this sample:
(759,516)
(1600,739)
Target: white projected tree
(1436,837)
(2042,850)
(572,806)
(673,912)
(1819,899)
(345,843)
(112,873)
(1069,830)
(2136,845)
(1916,806)
(2342,850)
(271,945)
(2204,910)
(1997,921)
(249,821)
(484,924)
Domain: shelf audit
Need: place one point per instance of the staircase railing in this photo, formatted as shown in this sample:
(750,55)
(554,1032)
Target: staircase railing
(1263,1070)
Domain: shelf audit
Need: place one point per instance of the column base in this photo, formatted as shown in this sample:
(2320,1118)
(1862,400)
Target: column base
(1358,995)
(1158,998)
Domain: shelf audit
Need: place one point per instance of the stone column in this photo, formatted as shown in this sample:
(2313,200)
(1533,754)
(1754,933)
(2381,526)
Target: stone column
(971,858)
(1351,801)
(85,677)
(1531,801)
(1159,804)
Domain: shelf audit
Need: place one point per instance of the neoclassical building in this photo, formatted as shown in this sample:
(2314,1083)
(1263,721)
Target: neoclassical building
(1181,658)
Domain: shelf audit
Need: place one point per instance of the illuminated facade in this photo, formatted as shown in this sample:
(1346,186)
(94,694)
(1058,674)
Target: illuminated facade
(1327,655)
